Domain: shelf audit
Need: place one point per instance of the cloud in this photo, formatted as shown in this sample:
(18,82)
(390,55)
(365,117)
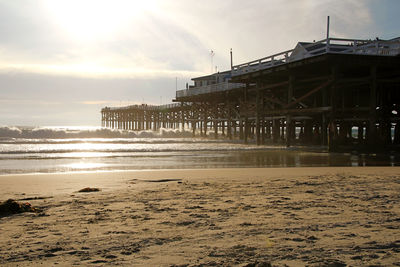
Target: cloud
(176,37)
(109,103)
(258,28)
(95,102)
(90,70)
(30,102)
(144,46)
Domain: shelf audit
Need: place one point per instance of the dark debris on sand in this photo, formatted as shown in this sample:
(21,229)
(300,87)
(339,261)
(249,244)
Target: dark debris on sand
(258,264)
(33,198)
(89,189)
(11,206)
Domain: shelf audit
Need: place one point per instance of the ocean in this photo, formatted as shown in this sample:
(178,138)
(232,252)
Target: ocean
(77,149)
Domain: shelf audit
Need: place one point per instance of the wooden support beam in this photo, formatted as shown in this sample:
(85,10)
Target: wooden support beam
(241,132)
(215,121)
(263,125)
(301,103)
(246,121)
(274,100)
(269,86)
(297,111)
(373,104)
(389,80)
(332,129)
(258,115)
(205,115)
(396,140)
(359,80)
(360,134)
(289,116)
(314,79)
(308,94)
(229,123)
(324,122)
(275,130)
(182,113)
(194,121)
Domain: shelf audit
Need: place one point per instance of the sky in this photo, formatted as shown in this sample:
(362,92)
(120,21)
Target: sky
(61,61)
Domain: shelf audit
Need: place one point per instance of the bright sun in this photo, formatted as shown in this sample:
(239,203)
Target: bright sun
(91,20)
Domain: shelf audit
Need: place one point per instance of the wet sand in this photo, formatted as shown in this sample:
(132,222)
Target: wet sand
(223,217)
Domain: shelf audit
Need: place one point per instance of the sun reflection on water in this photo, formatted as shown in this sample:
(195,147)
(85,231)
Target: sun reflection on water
(84,165)
(83,162)
(86,154)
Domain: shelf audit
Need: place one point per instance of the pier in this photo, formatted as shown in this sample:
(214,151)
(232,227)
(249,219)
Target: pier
(338,93)
(143,117)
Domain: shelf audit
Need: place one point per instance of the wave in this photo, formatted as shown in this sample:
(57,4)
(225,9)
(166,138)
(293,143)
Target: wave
(168,149)
(153,141)
(7,133)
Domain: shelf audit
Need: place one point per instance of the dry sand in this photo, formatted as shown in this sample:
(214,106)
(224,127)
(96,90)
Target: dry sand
(222,217)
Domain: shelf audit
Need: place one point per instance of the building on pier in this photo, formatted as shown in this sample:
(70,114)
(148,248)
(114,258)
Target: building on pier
(216,82)
(334,92)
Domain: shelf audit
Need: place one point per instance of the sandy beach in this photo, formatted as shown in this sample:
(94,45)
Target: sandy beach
(216,217)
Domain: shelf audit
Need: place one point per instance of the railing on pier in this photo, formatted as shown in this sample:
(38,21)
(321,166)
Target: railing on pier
(169,106)
(144,107)
(262,63)
(218,87)
(330,45)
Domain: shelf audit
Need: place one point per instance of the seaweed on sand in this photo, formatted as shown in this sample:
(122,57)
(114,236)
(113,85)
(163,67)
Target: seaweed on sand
(11,206)
(89,189)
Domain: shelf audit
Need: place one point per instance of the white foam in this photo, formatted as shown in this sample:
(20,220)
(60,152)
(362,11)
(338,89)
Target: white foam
(84,132)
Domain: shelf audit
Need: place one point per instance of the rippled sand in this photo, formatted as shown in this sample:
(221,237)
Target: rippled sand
(221,217)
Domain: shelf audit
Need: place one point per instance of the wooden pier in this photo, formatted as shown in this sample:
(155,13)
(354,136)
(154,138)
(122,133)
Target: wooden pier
(143,117)
(338,93)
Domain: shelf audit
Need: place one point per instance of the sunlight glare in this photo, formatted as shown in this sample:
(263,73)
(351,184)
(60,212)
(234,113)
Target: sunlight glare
(90,20)
(84,165)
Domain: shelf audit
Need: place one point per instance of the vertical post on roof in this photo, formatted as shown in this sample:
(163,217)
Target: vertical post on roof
(211,56)
(231,60)
(327,28)
(327,35)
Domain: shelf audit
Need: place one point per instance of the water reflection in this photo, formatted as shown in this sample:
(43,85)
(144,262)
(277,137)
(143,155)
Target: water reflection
(198,160)
(284,158)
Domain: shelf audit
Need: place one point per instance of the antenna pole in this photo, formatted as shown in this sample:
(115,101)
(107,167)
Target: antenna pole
(212,55)
(231,60)
(327,29)
(327,35)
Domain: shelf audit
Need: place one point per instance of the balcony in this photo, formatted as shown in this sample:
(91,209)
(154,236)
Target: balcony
(213,88)
(330,45)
